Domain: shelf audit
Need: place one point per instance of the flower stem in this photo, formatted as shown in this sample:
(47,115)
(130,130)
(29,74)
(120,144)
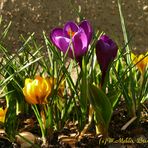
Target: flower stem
(35,109)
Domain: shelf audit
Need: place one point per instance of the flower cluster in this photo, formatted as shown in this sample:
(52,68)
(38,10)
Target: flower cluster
(75,40)
(80,90)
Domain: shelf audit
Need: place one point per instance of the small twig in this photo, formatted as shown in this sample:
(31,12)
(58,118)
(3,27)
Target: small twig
(124,127)
(91,112)
(146,109)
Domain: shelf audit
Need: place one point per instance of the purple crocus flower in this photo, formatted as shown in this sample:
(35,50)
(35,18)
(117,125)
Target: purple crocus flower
(74,38)
(106,51)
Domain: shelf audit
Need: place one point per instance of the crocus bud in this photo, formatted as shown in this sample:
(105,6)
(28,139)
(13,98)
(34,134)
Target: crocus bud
(106,51)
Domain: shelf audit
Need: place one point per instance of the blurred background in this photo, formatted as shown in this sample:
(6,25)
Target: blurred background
(29,16)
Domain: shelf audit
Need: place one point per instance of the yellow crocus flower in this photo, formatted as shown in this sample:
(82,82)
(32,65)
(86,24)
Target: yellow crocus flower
(36,91)
(2,114)
(141,61)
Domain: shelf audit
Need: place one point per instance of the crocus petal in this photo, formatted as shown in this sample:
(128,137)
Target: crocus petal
(141,62)
(85,25)
(59,40)
(80,43)
(70,27)
(55,33)
(103,55)
(105,38)
(40,89)
(62,43)
(36,89)
(110,45)
(28,97)
(48,87)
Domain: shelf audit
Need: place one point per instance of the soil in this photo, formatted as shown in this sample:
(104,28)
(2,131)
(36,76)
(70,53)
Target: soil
(29,16)
(135,136)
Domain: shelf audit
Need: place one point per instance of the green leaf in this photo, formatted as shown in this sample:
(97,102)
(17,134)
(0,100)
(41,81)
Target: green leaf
(101,104)
(84,88)
(114,98)
(124,32)
(49,118)
(11,118)
(144,99)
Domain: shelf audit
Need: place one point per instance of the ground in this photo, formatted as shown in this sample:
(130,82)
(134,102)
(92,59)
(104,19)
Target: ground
(29,16)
